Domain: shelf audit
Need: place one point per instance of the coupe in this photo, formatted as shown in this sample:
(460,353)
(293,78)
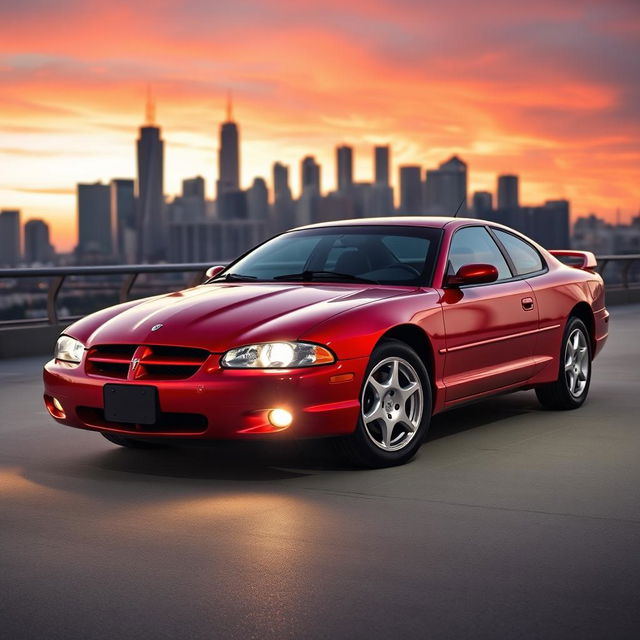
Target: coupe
(360,330)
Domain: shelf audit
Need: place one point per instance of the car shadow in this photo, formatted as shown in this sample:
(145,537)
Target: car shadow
(482,413)
(259,461)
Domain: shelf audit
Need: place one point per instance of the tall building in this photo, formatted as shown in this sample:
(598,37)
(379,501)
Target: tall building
(411,190)
(310,175)
(37,246)
(10,237)
(381,164)
(281,189)
(228,155)
(123,212)
(258,200)
(193,188)
(482,203)
(307,207)
(508,198)
(284,215)
(152,215)
(214,241)
(381,202)
(335,206)
(446,188)
(552,225)
(191,205)
(95,225)
(344,167)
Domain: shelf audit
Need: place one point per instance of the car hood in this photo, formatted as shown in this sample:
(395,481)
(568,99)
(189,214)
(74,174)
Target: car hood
(218,317)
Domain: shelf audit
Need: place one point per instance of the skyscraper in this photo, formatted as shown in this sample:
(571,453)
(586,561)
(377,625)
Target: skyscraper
(123,214)
(310,175)
(508,197)
(283,209)
(95,226)
(381,162)
(446,188)
(411,190)
(258,200)
(482,203)
(193,188)
(552,225)
(37,247)
(344,164)
(10,237)
(152,222)
(228,155)
(281,189)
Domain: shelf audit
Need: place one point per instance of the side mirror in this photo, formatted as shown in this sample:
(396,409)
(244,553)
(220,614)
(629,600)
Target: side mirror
(473,274)
(212,272)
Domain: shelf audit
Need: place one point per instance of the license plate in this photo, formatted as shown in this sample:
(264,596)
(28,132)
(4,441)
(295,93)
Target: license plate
(137,404)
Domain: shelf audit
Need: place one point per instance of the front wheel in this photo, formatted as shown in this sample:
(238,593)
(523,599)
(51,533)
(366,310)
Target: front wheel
(570,390)
(395,408)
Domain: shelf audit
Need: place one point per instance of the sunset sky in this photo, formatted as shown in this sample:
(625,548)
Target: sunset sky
(549,90)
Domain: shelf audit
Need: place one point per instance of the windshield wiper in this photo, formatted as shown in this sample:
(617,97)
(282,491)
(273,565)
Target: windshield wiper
(236,277)
(309,275)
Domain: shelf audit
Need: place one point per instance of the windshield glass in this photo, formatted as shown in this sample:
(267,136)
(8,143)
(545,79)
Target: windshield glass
(379,254)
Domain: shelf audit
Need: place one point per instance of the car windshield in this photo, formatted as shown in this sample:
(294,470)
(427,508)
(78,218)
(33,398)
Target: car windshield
(399,255)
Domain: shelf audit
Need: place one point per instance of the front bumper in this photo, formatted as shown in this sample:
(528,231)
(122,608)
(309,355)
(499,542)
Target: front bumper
(218,403)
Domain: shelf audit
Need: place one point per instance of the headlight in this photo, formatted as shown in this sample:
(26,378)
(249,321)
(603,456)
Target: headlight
(69,350)
(276,355)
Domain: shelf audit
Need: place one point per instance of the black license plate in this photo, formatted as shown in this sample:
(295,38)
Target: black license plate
(137,404)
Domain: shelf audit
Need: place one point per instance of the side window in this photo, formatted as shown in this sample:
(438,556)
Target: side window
(525,258)
(474,245)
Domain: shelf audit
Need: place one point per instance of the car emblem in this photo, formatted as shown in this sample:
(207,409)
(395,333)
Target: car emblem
(156,327)
(134,363)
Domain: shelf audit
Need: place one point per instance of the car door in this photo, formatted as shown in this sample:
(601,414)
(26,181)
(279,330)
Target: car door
(490,328)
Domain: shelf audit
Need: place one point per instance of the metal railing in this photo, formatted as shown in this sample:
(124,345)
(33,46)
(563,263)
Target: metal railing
(57,276)
(626,261)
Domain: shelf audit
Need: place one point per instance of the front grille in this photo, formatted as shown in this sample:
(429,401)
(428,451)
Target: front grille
(144,362)
(182,423)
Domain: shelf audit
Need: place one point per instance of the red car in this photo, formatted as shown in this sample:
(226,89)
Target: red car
(361,329)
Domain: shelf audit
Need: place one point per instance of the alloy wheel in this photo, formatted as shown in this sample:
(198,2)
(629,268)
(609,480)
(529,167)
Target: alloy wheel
(392,404)
(576,363)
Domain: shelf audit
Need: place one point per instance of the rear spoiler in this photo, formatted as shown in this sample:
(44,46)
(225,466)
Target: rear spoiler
(584,260)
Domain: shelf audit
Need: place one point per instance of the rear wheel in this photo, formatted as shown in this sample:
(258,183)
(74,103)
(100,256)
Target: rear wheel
(570,390)
(395,408)
(133,443)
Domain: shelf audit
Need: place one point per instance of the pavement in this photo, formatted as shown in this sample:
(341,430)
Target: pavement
(512,522)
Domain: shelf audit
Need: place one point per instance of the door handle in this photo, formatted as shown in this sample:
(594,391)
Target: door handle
(527,304)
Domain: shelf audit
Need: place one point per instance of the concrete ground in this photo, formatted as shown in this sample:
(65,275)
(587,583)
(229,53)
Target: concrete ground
(512,522)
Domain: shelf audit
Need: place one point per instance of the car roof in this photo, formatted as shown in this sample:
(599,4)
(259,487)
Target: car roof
(436,222)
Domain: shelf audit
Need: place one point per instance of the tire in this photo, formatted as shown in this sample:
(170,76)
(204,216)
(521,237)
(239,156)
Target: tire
(133,443)
(388,432)
(571,388)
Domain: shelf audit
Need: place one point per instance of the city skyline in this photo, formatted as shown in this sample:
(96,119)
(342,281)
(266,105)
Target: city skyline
(546,91)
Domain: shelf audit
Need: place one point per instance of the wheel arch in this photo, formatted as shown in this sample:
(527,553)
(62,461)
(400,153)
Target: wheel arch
(584,312)
(418,340)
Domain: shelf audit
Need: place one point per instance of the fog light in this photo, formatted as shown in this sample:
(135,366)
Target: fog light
(54,407)
(280,418)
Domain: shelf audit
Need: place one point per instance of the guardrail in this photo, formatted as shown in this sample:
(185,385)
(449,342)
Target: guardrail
(626,261)
(57,276)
